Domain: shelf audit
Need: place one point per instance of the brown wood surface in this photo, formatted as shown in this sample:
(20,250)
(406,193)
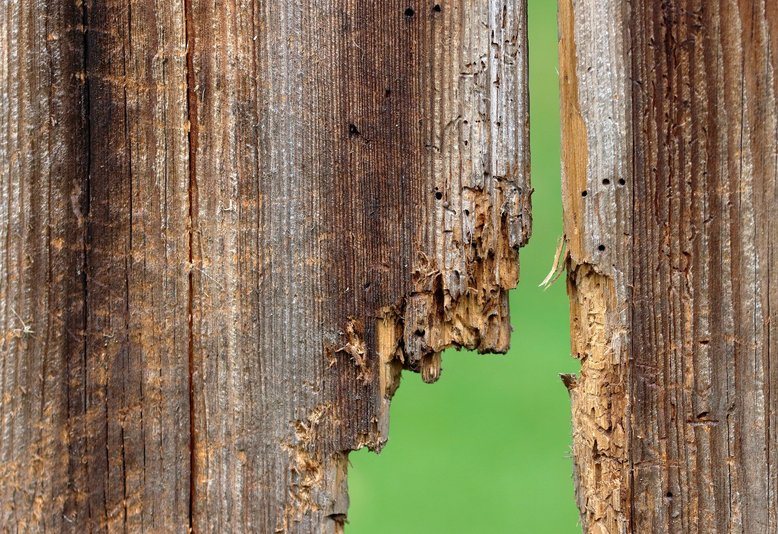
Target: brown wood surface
(224,229)
(670,134)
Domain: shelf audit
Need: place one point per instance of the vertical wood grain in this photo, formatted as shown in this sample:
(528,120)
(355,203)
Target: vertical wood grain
(43,163)
(687,297)
(226,227)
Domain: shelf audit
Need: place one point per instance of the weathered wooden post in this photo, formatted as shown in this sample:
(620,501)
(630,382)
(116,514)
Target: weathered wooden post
(670,147)
(224,228)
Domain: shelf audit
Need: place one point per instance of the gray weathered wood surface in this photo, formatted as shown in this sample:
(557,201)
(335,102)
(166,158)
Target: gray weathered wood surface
(225,227)
(670,131)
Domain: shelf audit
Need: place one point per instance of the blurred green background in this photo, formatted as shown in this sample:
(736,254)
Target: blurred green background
(487,448)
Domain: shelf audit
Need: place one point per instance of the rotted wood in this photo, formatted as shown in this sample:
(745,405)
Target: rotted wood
(670,131)
(226,228)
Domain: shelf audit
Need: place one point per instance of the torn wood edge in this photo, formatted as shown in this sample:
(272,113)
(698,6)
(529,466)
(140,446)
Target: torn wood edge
(410,335)
(455,300)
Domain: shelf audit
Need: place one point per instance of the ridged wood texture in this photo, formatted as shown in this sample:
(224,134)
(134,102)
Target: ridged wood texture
(670,132)
(225,227)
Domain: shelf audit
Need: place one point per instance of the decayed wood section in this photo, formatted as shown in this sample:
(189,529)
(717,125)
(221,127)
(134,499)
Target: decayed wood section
(225,228)
(670,148)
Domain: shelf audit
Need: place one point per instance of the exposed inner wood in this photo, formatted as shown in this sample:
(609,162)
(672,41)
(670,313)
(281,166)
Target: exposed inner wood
(599,404)
(226,228)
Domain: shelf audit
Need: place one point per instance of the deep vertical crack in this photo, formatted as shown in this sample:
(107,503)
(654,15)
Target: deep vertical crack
(87,193)
(191,105)
(86,238)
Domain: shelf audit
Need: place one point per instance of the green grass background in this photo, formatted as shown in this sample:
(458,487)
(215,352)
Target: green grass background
(487,448)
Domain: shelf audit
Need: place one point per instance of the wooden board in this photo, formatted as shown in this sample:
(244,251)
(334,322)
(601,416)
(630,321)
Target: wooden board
(670,132)
(226,227)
